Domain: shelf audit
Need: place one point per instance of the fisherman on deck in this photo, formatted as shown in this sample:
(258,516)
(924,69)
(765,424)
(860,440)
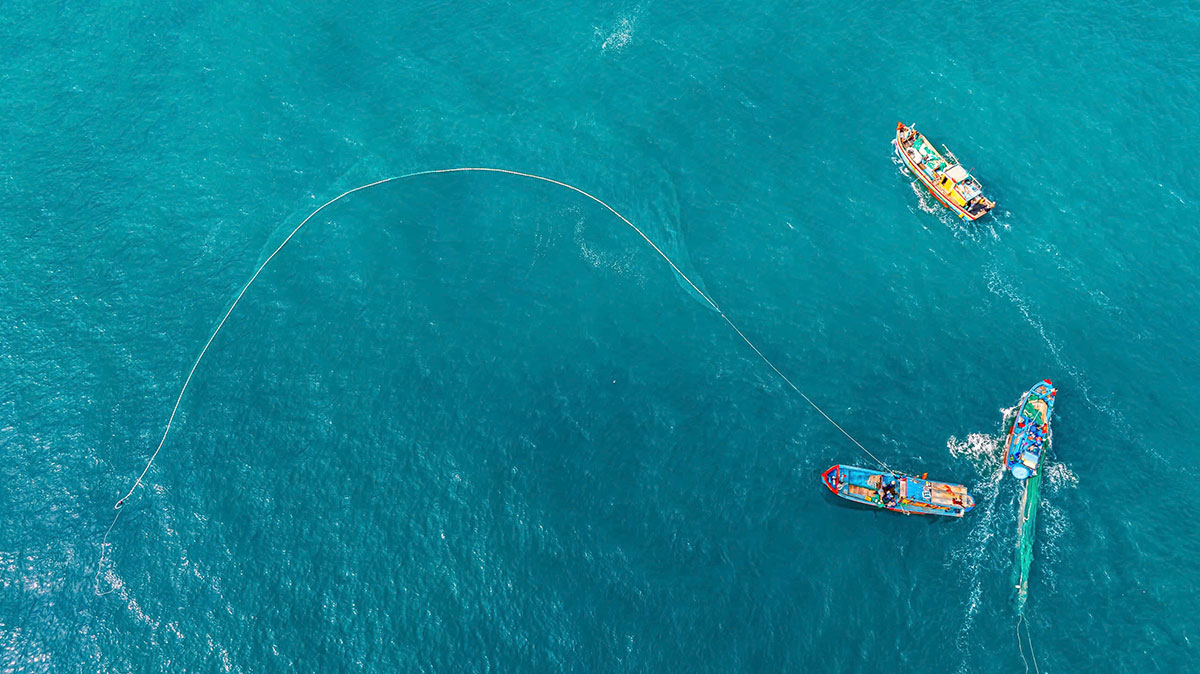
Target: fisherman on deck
(887,491)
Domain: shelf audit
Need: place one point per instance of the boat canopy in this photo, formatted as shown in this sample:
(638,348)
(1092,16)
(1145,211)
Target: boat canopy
(957,173)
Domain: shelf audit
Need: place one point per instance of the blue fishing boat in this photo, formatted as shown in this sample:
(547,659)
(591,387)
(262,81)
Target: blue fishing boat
(1029,436)
(898,492)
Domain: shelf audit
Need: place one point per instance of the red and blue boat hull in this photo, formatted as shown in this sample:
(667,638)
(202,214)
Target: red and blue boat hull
(1029,436)
(898,492)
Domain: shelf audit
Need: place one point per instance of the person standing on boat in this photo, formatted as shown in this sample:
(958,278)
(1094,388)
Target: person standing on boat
(887,491)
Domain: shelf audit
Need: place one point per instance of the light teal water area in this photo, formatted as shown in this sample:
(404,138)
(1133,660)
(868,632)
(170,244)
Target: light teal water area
(473,423)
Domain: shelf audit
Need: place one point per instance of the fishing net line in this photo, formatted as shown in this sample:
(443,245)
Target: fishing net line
(104,544)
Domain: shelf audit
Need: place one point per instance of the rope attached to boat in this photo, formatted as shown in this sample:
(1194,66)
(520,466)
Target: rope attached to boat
(188,380)
(1029,638)
(1021,650)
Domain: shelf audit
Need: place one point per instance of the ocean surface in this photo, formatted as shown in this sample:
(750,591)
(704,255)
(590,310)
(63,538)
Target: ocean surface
(472,422)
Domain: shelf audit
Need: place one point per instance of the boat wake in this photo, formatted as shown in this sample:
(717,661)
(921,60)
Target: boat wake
(1058,477)
(925,200)
(982,450)
(1004,289)
(618,35)
(1072,272)
(974,555)
(1053,522)
(985,548)
(1052,525)
(929,204)
(990,539)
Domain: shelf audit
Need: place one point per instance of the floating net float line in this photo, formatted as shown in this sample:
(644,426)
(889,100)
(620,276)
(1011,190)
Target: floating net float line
(1031,498)
(1027,508)
(257,272)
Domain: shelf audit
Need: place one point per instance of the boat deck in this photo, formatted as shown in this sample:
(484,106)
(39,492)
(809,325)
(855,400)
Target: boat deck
(913,495)
(1030,433)
(945,179)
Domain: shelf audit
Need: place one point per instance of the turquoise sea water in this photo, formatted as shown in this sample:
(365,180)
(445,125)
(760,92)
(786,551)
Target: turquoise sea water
(473,423)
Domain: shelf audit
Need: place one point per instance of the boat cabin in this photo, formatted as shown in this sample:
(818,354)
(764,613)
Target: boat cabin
(942,175)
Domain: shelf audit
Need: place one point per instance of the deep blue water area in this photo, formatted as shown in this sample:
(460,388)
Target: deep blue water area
(472,422)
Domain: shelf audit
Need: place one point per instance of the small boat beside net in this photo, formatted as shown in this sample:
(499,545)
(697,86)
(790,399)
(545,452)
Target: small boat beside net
(898,492)
(942,175)
(1029,435)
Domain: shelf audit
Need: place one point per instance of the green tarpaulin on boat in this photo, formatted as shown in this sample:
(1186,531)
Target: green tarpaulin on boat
(1026,523)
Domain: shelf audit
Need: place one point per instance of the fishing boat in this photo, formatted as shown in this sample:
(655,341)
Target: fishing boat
(898,492)
(942,175)
(1029,436)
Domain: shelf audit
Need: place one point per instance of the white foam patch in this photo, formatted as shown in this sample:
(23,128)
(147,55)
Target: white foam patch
(1058,476)
(114,581)
(925,201)
(1052,525)
(969,557)
(619,264)
(929,204)
(618,35)
(981,449)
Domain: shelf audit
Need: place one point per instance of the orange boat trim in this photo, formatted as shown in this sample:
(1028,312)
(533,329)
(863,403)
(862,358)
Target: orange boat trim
(929,185)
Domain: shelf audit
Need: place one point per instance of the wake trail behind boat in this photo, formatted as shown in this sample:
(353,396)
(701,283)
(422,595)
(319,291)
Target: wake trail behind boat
(982,450)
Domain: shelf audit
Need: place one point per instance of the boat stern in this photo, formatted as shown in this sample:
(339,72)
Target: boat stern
(975,214)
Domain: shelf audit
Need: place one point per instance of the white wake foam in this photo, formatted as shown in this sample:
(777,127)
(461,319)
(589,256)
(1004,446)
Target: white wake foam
(1002,288)
(619,264)
(1059,476)
(981,449)
(618,35)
